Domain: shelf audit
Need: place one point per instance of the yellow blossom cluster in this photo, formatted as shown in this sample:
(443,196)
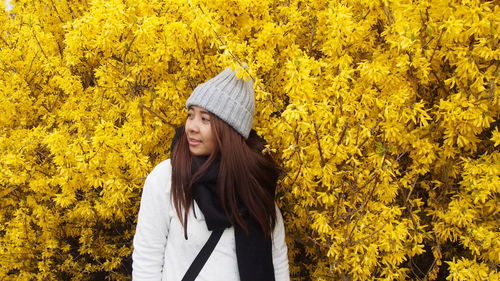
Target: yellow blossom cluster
(383,115)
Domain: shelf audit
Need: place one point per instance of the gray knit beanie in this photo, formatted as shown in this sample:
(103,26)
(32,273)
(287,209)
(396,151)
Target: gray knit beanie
(229,98)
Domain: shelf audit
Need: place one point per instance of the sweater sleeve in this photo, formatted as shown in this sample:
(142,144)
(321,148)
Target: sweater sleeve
(152,225)
(280,250)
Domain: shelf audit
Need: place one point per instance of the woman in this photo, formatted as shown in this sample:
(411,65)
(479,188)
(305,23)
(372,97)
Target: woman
(216,193)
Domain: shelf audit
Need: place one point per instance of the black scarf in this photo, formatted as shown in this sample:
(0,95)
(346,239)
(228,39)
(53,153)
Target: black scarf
(253,249)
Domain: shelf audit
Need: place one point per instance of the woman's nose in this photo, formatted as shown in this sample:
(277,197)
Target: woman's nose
(192,125)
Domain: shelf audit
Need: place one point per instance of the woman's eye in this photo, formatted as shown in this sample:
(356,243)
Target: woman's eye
(204,119)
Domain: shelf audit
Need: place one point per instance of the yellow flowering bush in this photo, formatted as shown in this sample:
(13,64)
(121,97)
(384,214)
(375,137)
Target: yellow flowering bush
(382,114)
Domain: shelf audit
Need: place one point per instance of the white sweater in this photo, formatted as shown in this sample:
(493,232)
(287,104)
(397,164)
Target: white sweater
(162,253)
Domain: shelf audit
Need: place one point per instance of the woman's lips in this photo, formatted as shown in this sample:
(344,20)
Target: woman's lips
(193,142)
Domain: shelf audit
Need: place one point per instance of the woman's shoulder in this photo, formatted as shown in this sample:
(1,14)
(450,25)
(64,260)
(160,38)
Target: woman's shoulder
(161,172)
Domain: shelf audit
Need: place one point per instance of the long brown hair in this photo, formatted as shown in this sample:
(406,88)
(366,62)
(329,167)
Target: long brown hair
(246,175)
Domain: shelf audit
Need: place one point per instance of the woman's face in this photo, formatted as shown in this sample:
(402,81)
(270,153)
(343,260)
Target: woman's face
(198,130)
